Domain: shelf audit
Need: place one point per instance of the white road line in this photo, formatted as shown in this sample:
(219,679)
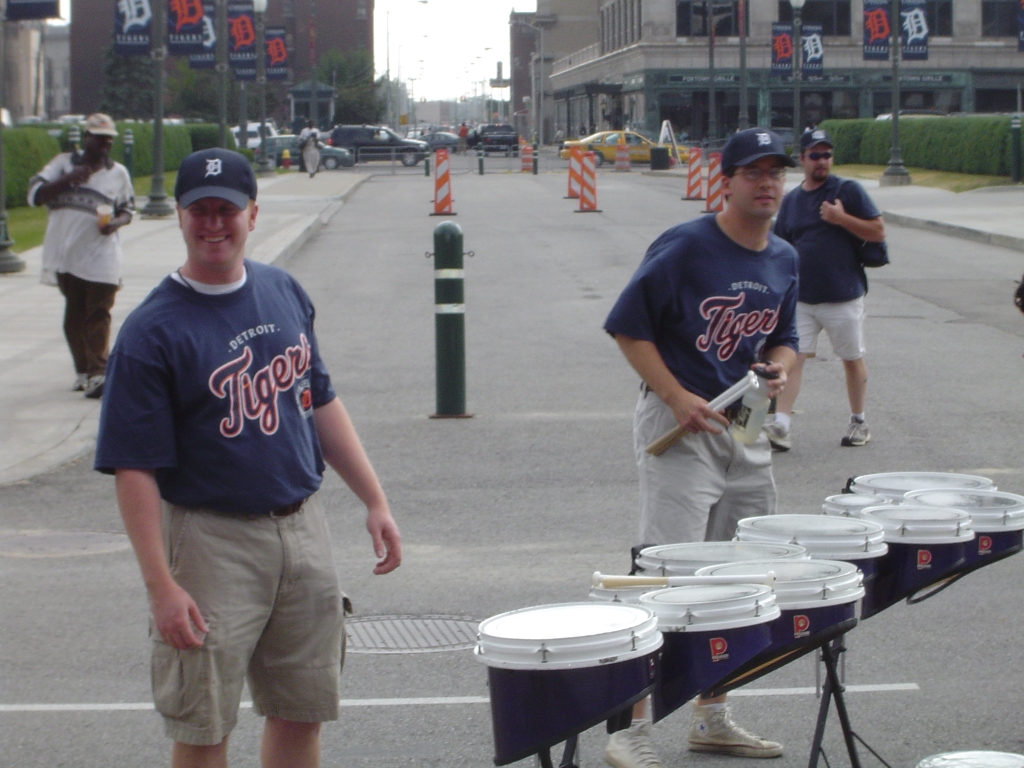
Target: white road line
(431,701)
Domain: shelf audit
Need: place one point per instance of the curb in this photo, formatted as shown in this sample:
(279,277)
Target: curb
(955,230)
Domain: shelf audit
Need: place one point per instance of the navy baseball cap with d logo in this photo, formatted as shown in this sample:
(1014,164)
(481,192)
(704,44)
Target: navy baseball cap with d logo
(746,147)
(215,173)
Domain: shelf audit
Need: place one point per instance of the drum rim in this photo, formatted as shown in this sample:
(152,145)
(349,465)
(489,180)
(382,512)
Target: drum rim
(1010,519)
(939,530)
(865,480)
(980,753)
(800,600)
(654,550)
(751,523)
(759,598)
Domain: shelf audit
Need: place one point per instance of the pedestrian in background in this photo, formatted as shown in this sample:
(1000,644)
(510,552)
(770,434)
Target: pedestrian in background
(827,219)
(463,135)
(219,419)
(309,146)
(90,198)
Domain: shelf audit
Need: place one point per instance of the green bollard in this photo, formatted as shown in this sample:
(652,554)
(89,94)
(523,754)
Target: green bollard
(426,166)
(1015,161)
(480,161)
(449,322)
(536,158)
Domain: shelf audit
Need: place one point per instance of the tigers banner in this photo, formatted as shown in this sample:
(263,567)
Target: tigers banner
(207,58)
(876,30)
(782,48)
(242,40)
(187,25)
(133,23)
(28,10)
(913,30)
(813,58)
(277,54)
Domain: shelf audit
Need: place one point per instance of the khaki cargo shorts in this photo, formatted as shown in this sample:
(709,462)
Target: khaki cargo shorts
(268,591)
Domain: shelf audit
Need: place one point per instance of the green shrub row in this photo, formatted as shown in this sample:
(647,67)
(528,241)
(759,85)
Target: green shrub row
(957,144)
(28,149)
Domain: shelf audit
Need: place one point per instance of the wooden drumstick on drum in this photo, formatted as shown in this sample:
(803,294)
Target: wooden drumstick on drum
(724,400)
(617,582)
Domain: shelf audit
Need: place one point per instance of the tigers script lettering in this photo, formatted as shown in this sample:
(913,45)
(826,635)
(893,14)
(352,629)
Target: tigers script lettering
(726,327)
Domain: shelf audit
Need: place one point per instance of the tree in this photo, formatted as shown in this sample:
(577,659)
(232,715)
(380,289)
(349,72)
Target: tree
(192,92)
(127,86)
(350,73)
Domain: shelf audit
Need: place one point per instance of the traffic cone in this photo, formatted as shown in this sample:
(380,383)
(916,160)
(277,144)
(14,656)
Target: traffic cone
(622,154)
(442,185)
(588,186)
(575,173)
(716,200)
(693,177)
(526,158)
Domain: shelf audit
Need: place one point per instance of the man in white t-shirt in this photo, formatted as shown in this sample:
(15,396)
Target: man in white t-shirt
(81,249)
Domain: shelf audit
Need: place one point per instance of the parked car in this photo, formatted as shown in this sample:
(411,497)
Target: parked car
(252,132)
(330,157)
(441,139)
(378,142)
(603,144)
(497,137)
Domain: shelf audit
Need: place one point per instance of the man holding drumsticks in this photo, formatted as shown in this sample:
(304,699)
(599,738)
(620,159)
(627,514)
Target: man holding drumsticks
(712,297)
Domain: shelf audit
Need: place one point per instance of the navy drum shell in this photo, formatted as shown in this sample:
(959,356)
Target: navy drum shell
(990,546)
(909,568)
(691,662)
(534,709)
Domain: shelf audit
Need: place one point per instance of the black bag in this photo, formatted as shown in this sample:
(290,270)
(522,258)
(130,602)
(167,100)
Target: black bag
(869,254)
(1018,295)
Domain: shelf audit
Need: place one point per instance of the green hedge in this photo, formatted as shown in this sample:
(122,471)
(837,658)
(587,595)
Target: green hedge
(958,144)
(207,135)
(26,151)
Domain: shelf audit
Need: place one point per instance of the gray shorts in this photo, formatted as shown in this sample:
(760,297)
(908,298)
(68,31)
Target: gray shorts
(268,591)
(702,486)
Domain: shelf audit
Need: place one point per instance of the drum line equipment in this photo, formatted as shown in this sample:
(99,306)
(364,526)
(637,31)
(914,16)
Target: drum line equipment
(709,617)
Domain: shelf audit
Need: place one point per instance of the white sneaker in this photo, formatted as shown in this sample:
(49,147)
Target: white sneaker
(778,436)
(94,387)
(80,381)
(714,731)
(856,434)
(631,748)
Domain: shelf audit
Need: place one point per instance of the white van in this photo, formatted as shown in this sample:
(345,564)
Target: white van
(253,134)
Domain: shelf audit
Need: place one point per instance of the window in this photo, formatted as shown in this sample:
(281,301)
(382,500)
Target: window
(692,18)
(999,18)
(939,14)
(832,15)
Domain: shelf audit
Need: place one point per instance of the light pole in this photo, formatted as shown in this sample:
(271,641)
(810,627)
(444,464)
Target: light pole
(537,102)
(259,7)
(798,75)
(895,175)
(222,71)
(8,261)
(314,97)
(712,109)
(744,117)
(157,205)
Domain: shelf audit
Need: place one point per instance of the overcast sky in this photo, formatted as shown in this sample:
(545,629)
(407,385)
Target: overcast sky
(446,46)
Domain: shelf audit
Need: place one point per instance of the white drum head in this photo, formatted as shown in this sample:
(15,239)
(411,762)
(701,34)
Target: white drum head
(921,524)
(893,485)
(801,584)
(825,537)
(711,608)
(627,595)
(973,760)
(684,559)
(990,511)
(567,635)
(850,504)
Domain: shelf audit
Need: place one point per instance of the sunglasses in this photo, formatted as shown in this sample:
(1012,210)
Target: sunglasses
(756,174)
(820,155)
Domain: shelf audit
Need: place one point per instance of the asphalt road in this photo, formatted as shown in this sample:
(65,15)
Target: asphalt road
(518,505)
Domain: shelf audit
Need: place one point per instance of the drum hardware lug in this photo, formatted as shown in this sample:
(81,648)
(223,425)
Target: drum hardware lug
(632,638)
(543,653)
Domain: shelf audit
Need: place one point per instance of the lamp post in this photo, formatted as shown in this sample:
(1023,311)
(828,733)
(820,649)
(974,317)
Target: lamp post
(314,96)
(798,75)
(744,117)
(537,102)
(895,175)
(129,151)
(8,261)
(259,7)
(222,71)
(157,206)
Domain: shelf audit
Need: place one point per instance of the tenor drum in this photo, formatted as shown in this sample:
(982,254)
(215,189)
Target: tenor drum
(627,595)
(997,518)
(894,485)
(926,548)
(973,760)
(686,559)
(817,600)
(556,670)
(850,504)
(709,631)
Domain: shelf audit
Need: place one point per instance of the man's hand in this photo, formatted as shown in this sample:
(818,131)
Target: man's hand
(694,415)
(833,213)
(176,617)
(115,224)
(78,175)
(387,541)
(776,385)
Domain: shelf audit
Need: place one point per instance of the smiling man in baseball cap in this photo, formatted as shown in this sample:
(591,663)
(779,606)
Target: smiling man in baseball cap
(711,298)
(217,423)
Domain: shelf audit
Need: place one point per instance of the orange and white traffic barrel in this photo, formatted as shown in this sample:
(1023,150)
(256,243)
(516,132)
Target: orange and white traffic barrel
(716,197)
(693,177)
(526,158)
(622,155)
(442,185)
(575,173)
(588,186)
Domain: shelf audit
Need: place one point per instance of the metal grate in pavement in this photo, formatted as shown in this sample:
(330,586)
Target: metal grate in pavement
(410,634)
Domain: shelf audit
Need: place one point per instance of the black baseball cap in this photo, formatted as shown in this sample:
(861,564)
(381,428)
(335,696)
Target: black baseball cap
(215,173)
(746,147)
(817,136)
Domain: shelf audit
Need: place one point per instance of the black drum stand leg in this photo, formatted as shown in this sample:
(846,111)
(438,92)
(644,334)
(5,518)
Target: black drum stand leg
(833,689)
(570,755)
(544,758)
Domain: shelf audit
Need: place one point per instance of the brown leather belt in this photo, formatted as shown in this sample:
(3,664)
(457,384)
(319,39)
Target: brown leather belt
(287,509)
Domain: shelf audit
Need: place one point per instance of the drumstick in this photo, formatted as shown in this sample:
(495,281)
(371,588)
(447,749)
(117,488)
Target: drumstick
(616,582)
(724,400)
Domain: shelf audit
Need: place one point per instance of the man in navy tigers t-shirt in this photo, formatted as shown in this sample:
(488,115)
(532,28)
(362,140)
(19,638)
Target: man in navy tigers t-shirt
(711,298)
(217,421)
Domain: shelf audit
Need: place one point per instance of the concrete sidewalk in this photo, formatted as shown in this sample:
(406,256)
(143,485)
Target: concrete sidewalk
(43,424)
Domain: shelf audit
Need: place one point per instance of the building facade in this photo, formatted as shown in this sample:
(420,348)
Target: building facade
(345,25)
(23,65)
(57,70)
(653,60)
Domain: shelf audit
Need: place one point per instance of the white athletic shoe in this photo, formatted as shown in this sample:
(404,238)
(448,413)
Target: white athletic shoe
(856,434)
(80,381)
(778,436)
(631,748)
(714,731)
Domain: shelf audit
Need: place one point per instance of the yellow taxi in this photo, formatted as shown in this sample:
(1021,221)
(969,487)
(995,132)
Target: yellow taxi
(604,143)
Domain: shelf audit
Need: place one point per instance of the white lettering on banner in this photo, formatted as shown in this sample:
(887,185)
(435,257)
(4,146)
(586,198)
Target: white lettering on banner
(726,327)
(813,49)
(254,396)
(134,13)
